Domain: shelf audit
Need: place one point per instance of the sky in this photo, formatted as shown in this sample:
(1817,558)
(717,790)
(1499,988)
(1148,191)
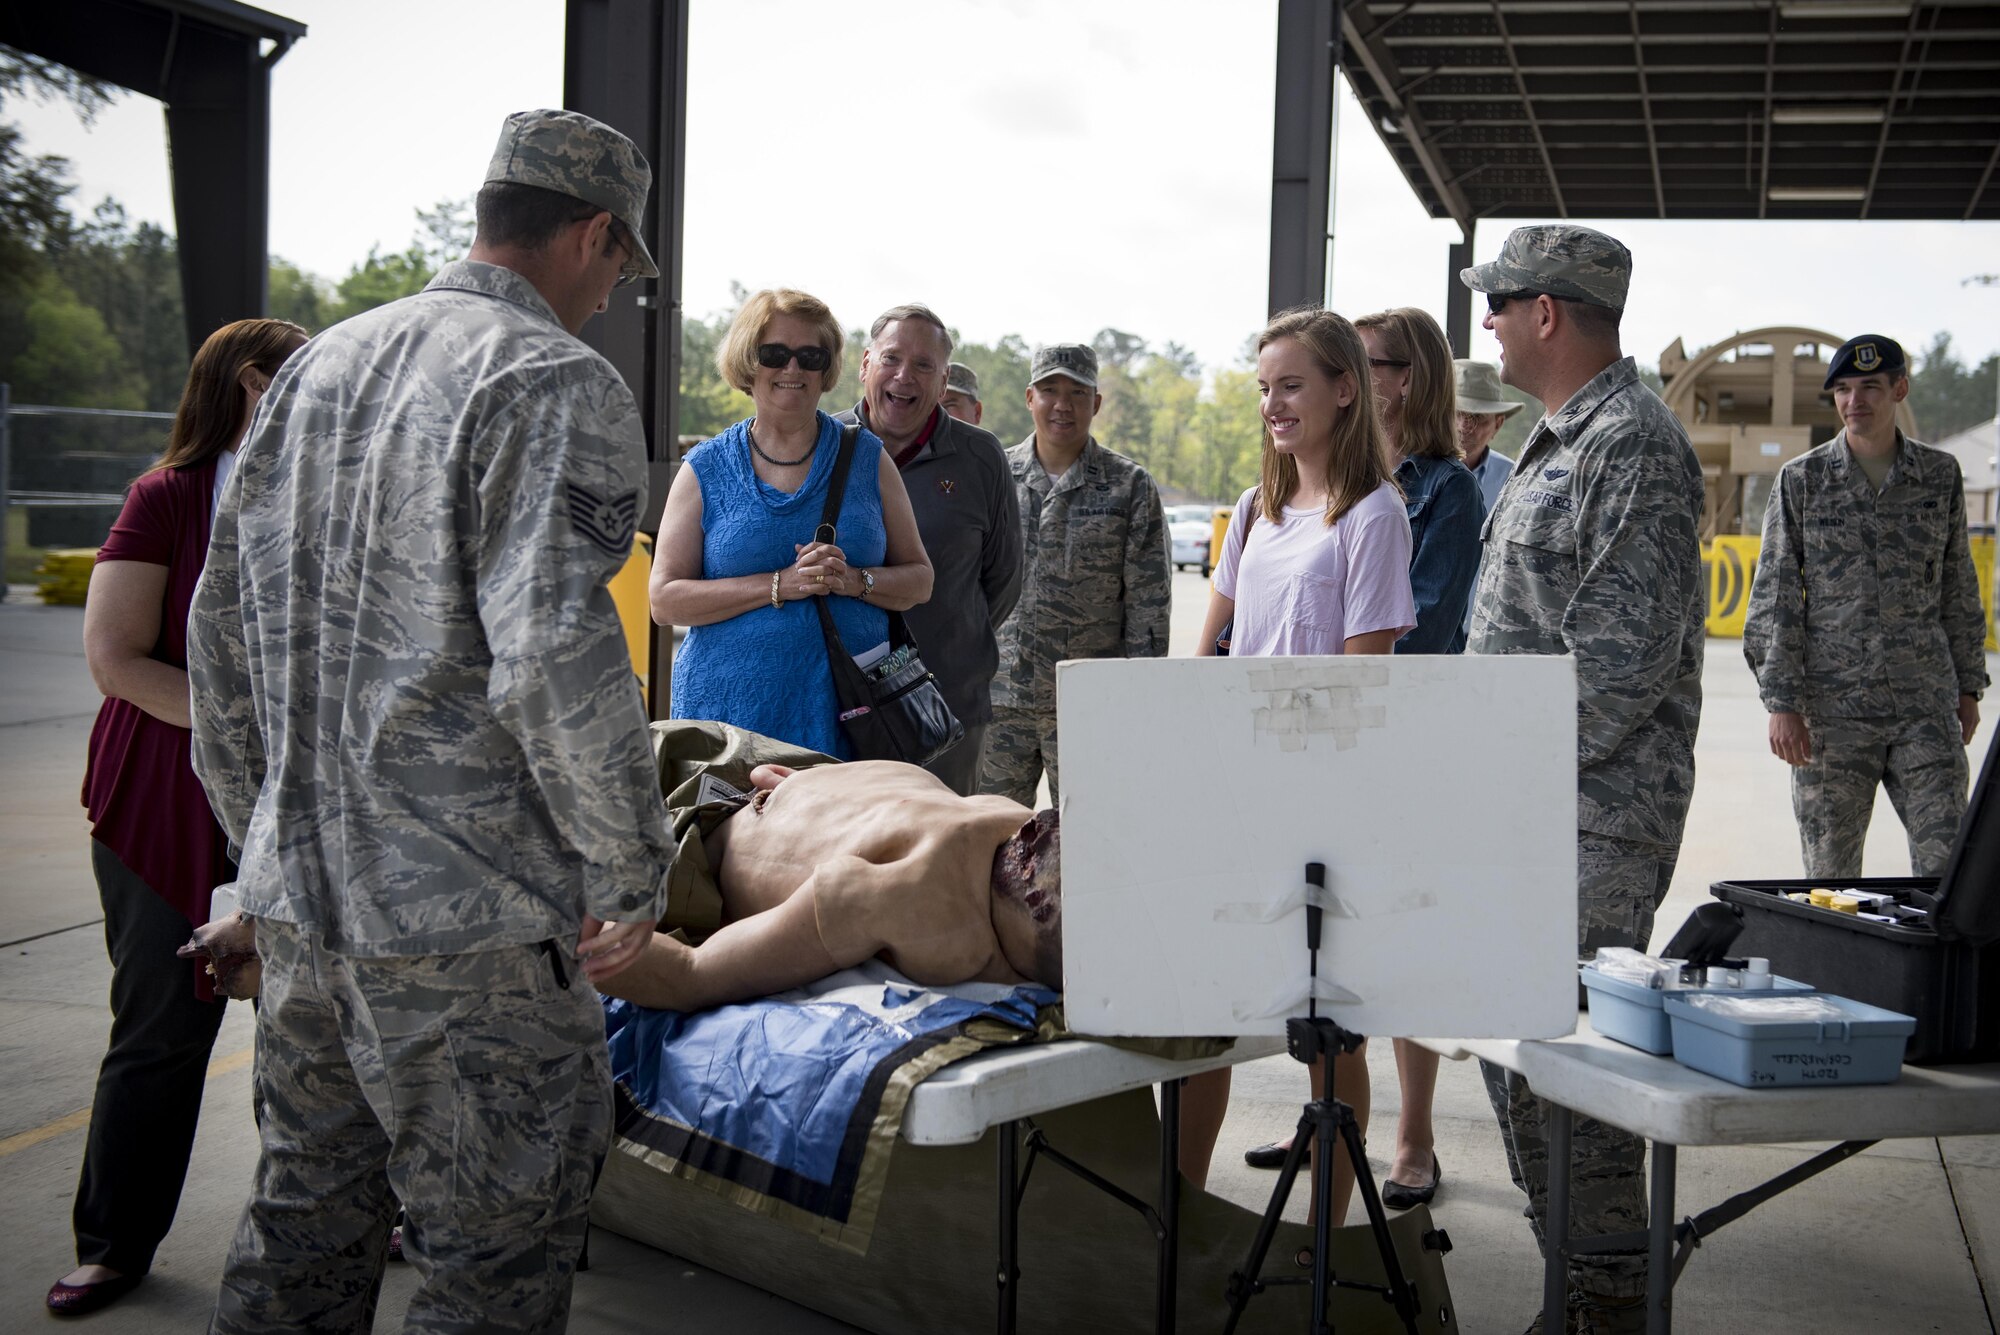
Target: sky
(1040,167)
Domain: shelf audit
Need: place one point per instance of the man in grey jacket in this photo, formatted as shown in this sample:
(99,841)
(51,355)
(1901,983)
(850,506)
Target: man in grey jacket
(967,513)
(415,713)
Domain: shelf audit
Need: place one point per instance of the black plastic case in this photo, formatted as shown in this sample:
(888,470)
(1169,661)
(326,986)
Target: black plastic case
(1946,974)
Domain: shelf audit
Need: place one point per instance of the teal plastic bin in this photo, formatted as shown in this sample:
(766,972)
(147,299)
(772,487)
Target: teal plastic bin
(1634,1015)
(1866,1049)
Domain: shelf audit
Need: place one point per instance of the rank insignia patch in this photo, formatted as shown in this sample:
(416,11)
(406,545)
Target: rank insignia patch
(607,522)
(1867,357)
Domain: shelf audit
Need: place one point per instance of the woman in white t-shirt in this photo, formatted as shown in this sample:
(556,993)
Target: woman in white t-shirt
(1316,561)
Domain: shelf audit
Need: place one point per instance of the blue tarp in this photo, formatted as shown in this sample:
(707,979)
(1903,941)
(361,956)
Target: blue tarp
(779,1095)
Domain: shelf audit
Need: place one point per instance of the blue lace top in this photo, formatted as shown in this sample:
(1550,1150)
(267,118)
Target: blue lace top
(766,670)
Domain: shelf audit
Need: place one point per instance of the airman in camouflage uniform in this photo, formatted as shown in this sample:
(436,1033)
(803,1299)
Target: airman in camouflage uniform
(1097,581)
(415,712)
(1593,549)
(1864,626)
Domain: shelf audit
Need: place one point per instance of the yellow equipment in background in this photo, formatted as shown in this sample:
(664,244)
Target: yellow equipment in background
(63,577)
(628,592)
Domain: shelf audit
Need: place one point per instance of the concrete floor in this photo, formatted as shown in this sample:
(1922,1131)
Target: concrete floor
(1905,1238)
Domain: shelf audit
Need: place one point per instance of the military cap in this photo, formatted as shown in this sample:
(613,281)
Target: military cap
(1075,360)
(1867,354)
(1478,388)
(1574,263)
(571,154)
(962,379)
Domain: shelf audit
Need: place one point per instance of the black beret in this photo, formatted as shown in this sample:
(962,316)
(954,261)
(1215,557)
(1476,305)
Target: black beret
(1867,354)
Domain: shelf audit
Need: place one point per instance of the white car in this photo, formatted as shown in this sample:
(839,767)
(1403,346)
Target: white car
(1189,529)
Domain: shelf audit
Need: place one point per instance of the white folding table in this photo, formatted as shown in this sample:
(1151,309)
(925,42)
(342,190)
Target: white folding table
(1004,1087)
(1670,1105)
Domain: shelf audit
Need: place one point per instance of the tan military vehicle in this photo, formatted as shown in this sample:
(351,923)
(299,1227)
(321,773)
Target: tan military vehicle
(1750,403)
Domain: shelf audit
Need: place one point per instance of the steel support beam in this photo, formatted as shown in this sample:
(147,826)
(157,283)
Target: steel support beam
(1302,151)
(1458,298)
(625,63)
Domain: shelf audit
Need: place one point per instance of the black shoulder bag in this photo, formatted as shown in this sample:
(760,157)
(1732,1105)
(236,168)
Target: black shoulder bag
(892,709)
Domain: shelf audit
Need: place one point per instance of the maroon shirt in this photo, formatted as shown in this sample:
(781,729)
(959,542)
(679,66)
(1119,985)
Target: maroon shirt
(144,801)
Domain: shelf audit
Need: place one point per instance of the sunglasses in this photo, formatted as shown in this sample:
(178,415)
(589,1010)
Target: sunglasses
(1497,301)
(776,356)
(1386,362)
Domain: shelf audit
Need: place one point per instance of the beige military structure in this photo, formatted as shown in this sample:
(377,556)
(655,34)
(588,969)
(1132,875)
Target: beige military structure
(1751,403)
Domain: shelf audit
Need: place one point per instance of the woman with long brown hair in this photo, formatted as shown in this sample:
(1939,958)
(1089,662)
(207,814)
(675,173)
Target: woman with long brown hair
(155,846)
(1411,366)
(1316,561)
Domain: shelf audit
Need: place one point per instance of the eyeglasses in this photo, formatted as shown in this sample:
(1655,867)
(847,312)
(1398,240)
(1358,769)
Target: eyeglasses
(628,274)
(1386,362)
(777,356)
(1497,301)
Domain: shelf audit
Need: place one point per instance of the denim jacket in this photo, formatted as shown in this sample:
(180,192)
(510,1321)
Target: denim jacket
(1446,509)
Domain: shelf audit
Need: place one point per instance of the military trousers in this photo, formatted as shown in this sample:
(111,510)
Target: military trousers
(474,1089)
(1020,746)
(1620,883)
(1922,765)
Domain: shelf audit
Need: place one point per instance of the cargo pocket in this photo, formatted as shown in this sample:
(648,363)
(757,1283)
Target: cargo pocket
(512,1091)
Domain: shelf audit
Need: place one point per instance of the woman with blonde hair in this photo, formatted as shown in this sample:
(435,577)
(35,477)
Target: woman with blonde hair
(740,551)
(1411,366)
(1316,561)
(155,847)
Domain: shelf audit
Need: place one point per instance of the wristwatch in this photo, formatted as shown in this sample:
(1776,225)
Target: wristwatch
(867,583)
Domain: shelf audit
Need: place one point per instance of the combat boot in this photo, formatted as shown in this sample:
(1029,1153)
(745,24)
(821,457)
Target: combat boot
(1604,1314)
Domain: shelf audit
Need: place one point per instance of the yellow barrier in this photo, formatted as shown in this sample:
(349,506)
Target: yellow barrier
(1728,564)
(1982,561)
(635,613)
(1218,525)
(63,577)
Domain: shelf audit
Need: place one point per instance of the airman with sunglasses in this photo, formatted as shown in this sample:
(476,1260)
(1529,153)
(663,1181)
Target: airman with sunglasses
(414,711)
(1593,549)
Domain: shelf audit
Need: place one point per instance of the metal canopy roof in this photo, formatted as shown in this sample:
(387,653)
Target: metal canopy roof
(1685,108)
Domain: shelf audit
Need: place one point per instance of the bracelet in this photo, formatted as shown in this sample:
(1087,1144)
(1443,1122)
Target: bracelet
(775,600)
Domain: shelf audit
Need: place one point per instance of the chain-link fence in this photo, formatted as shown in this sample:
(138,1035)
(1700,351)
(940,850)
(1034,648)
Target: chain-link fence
(63,474)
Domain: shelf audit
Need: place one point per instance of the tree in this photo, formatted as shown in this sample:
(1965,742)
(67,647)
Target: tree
(1946,395)
(1002,368)
(297,296)
(444,234)
(69,358)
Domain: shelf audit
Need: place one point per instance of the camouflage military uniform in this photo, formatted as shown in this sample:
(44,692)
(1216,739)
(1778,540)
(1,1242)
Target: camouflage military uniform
(415,712)
(1593,549)
(1096,583)
(1864,618)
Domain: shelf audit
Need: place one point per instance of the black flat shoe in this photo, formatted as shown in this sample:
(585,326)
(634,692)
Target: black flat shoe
(1397,1196)
(77,1299)
(1270,1156)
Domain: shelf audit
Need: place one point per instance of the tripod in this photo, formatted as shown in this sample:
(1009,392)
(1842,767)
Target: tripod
(1311,1038)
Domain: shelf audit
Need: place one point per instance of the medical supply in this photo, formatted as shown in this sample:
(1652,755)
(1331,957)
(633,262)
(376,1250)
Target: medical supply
(1627,989)
(1759,1041)
(1843,904)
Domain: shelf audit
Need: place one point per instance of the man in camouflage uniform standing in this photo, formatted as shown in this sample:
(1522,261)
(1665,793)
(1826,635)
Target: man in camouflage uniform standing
(415,713)
(1864,627)
(1593,549)
(1096,579)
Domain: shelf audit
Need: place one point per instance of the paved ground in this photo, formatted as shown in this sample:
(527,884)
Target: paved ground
(1905,1238)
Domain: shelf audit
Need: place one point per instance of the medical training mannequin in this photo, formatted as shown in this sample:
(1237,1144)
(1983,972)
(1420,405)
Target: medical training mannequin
(826,867)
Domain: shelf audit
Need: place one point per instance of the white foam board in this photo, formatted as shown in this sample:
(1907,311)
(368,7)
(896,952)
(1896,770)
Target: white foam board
(1440,792)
